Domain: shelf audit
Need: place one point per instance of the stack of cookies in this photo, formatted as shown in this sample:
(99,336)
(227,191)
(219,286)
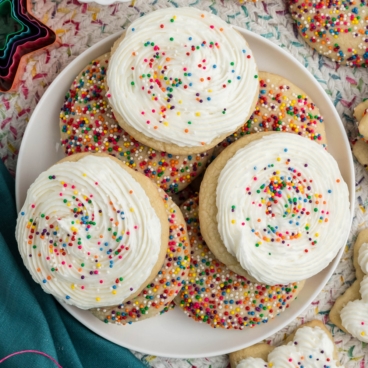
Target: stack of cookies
(180,95)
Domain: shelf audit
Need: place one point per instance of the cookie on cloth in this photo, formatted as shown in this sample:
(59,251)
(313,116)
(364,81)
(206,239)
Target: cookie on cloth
(336,29)
(88,124)
(220,298)
(274,207)
(281,107)
(181,80)
(310,345)
(92,232)
(350,311)
(156,297)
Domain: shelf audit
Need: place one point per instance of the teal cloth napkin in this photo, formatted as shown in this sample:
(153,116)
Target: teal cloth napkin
(33,320)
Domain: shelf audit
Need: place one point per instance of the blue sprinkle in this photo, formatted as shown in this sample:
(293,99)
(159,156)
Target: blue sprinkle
(238,77)
(208,98)
(243,51)
(133,29)
(330,191)
(215,66)
(67,297)
(190,38)
(22,213)
(190,84)
(285,149)
(44,281)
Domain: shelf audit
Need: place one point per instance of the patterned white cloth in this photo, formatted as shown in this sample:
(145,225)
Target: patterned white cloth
(81,25)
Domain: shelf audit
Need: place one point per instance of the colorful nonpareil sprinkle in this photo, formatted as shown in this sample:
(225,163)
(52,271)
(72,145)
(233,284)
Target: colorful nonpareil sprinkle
(156,297)
(88,124)
(220,298)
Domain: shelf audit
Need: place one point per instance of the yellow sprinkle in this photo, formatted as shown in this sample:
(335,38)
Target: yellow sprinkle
(131,209)
(98,299)
(98,265)
(114,291)
(84,174)
(233,221)
(197,114)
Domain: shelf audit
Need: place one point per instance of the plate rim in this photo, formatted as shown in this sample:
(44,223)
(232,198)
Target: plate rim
(75,312)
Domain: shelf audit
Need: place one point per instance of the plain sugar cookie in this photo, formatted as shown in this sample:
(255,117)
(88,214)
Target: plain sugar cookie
(181,80)
(156,297)
(92,232)
(310,345)
(215,295)
(87,124)
(274,206)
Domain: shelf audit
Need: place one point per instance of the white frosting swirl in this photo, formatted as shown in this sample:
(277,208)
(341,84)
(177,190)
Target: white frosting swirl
(363,258)
(354,317)
(252,363)
(182,76)
(283,208)
(310,348)
(88,233)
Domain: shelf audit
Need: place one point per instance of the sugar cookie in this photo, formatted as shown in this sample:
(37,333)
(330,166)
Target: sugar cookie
(336,29)
(88,124)
(281,107)
(274,206)
(350,311)
(181,80)
(220,298)
(92,232)
(311,345)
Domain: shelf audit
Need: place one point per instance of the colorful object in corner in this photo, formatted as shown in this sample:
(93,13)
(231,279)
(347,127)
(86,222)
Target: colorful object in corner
(22,35)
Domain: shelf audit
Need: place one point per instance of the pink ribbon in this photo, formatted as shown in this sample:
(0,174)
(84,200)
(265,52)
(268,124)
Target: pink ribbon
(32,352)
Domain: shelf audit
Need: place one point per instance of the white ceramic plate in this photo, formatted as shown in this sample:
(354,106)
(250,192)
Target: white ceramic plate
(174,334)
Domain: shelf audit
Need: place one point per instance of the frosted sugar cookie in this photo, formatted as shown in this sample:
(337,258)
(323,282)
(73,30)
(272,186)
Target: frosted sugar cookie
(275,207)
(220,298)
(350,311)
(180,80)
(88,124)
(311,345)
(156,297)
(92,232)
(281,107)
(336,29)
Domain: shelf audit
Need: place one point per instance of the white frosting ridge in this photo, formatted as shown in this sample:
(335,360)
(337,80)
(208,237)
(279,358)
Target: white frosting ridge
(88,233)
(354,317)
(182,76)
(310,348)
(283,208)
